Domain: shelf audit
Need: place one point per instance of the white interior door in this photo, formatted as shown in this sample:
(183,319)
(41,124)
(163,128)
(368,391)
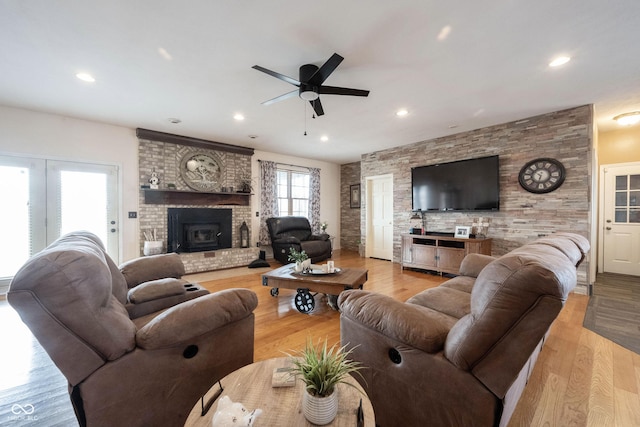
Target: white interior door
(380,217)
(621,233)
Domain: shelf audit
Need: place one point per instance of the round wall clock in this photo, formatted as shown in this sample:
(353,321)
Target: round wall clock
(201,172)
(542,175)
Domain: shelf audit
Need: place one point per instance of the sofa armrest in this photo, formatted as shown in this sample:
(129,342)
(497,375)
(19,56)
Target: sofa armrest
(473,264)
(196,317)
(413,325)
(156,289)
(145,269)
(323,236)
(288,240)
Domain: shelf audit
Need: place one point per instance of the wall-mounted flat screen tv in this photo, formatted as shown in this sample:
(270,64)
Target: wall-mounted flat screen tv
(465,185)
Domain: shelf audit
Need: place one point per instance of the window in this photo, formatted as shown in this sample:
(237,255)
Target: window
(627,199)
(293,193)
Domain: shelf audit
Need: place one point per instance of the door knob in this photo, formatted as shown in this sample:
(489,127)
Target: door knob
(113,230)
(608,228)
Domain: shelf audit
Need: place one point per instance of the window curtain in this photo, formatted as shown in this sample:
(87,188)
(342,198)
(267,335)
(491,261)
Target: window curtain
(268,198)
(314,198)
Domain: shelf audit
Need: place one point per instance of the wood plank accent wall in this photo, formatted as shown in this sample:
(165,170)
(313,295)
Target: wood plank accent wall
(564,135)
(349,217)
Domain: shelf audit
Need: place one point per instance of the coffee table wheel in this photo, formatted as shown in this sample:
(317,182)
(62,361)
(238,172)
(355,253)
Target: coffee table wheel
(304,301)
(274,292)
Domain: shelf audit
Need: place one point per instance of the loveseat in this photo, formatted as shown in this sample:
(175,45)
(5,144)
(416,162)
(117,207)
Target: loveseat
(148,370)
(460,354)
(295,232)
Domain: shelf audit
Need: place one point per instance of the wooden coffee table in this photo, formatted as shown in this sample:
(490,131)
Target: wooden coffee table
(330,284)
(281,406)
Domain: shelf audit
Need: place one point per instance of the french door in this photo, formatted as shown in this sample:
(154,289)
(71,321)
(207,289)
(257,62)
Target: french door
(44,199)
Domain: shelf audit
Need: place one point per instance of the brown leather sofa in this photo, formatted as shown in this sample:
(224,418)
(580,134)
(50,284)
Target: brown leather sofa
(460,354)
(295,232)
(144,371)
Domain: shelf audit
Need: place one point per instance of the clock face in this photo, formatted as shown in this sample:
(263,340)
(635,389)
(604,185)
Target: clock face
(542,175)
(201,172)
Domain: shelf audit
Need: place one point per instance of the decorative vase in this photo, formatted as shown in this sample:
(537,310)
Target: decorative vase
(320,410)
(152,247)
(298,267)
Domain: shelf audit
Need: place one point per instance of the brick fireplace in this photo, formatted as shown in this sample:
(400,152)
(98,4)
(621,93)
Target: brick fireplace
(164,155)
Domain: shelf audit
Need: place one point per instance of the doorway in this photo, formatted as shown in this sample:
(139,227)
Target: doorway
(45,199)
(379,217)
(620,219)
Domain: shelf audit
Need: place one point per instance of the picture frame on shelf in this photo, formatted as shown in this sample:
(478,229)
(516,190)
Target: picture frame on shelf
(354,198)
(462,232)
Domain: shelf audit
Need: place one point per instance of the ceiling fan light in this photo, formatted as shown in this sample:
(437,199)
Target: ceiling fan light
(628,119)
(308,95)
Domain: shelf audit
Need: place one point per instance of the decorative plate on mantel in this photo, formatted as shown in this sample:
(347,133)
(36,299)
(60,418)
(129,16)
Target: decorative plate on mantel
(201,172)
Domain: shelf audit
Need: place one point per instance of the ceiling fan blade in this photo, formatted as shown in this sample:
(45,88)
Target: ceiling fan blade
(332,90)
(317,107)
(281,97)
(277,75)
(325,71)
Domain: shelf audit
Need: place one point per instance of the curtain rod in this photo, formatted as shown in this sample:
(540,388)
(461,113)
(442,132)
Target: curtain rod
(288,164)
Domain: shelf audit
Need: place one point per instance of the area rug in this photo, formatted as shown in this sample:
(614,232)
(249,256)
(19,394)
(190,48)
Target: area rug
(615,319)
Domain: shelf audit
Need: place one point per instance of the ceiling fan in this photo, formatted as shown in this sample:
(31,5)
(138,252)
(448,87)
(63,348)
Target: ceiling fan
(310,83)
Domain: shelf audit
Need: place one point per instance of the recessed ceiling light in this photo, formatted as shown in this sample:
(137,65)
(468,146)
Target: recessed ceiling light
(560,60)
(239,117)
(174,120)
(166,55)
(402,112)
(444,33)
(324,138)
(86,77)
(628,119)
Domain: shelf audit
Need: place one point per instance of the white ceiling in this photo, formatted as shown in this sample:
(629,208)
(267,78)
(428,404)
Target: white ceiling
(491,68)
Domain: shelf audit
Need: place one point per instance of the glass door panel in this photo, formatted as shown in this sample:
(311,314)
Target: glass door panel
(22,216)
(81,197)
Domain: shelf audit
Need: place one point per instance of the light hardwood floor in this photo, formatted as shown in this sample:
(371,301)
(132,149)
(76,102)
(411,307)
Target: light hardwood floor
(580,379)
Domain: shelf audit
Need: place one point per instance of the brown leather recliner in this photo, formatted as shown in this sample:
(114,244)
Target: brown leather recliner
(154,283)
(460,354)
(147,371)
(295,232)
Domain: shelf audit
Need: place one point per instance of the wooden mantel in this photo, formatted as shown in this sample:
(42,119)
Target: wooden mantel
(178,197)
(154,135)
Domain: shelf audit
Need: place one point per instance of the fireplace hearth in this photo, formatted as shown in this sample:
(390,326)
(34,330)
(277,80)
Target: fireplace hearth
(199,229)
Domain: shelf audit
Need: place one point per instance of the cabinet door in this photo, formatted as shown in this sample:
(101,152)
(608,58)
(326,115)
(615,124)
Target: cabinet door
(406,250)
(424,256)
(449,259)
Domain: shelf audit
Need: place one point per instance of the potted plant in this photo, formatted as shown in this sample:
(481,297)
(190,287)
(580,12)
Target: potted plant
(246,183)
(322,369)
(299,257)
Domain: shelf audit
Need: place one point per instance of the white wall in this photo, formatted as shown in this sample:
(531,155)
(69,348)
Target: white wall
(41,135)
(329,190)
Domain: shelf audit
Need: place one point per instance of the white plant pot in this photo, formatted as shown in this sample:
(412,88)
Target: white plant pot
(153,247)
(320,410)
